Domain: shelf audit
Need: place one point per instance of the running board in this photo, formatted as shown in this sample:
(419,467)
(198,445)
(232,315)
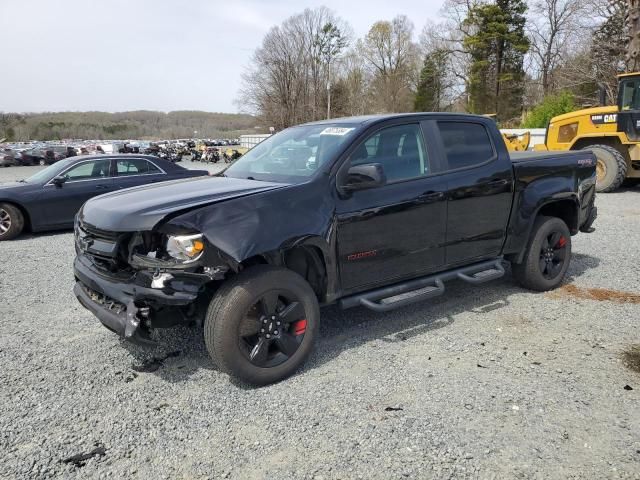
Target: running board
(405,293)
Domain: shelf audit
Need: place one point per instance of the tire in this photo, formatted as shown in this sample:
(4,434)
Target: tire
(11,221)
(611,167)
(236,327)
(539,270)
(42,162)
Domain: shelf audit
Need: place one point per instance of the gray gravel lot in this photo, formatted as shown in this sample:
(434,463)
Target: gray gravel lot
(485,382)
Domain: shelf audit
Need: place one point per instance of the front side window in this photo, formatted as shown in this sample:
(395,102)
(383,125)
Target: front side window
(135,166)
(399,149)
(466,144)
(88,171)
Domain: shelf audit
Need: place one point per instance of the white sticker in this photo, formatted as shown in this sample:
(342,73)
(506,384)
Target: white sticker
(336,131)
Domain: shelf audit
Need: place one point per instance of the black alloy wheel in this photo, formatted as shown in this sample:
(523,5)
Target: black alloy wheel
(553,253)
(262,324)
(547,255)
(273,329)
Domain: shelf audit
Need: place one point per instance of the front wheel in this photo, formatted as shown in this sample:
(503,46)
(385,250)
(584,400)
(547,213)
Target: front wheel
(262,325)
(547,256)
(11,221)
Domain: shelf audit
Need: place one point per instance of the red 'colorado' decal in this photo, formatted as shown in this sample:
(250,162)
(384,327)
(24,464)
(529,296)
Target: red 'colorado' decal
(359,255)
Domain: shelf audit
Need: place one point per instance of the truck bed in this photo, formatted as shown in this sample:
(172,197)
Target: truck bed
(542,155)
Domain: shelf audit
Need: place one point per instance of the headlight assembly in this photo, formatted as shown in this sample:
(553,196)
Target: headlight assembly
(185,248)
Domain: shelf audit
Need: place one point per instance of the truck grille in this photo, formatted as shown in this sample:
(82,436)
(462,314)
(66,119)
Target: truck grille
(106,250)
(98,233)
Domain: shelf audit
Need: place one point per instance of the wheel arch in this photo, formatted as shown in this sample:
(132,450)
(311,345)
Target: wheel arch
(307,257)
(566,209)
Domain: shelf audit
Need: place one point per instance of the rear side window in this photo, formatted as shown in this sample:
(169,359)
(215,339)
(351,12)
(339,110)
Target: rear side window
(135,166)
(465,143)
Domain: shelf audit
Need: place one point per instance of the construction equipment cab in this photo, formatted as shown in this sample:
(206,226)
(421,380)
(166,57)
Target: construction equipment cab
(611,132)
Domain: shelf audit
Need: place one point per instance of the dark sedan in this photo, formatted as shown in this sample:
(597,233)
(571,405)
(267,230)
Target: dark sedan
(50,199)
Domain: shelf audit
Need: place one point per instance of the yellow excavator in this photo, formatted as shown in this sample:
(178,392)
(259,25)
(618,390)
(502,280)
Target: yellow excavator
(611,132)
(517,143)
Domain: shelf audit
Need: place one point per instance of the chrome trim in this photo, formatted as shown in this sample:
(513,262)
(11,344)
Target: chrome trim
(141,174)
(103,178)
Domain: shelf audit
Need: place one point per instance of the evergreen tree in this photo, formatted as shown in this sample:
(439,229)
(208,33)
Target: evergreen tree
(496,44)
(430,91)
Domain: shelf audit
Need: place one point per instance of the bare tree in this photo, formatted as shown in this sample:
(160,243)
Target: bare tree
(392,56)
(553,26)
(286,80)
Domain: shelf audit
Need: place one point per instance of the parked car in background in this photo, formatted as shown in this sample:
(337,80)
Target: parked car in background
(50,199)
(9,158)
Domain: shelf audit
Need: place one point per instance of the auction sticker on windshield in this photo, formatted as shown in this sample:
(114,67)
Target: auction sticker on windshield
(336,131)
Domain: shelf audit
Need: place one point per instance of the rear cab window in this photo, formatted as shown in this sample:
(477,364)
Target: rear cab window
(466,144)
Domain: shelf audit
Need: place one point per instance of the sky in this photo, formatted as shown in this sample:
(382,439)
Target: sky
(119,55)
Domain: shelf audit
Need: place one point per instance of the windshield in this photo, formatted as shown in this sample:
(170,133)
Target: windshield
(51,171)
(292,155)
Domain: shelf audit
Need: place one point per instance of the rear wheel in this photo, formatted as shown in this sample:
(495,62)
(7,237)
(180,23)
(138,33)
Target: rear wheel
(261,325)
(547,257)
(11,221)
(611,167)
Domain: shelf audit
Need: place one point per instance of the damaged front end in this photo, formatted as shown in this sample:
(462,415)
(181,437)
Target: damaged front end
(136,281)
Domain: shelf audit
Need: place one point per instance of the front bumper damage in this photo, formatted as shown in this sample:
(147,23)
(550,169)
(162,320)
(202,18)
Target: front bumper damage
(130,306)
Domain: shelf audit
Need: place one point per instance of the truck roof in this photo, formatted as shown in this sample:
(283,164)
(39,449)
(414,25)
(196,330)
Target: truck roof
(368,119)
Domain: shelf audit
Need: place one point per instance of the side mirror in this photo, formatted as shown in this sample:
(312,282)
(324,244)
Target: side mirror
(361,177)
(58,181)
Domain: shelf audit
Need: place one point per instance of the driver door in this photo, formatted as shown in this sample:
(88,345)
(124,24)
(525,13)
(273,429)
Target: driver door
(397,230)
(84,180)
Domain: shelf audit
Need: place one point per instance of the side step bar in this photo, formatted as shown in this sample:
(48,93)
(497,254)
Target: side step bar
(405,293)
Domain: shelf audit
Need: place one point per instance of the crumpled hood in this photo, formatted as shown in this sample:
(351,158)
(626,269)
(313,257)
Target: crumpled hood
(141,208)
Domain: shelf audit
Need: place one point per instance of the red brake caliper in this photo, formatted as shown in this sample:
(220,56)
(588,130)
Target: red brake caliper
(561,243)
(299,327)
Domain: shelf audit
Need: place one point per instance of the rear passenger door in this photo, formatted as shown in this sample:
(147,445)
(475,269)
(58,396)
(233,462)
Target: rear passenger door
(480,191)
(131,172)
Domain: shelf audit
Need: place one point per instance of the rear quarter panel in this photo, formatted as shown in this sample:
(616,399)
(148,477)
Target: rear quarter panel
(542,179)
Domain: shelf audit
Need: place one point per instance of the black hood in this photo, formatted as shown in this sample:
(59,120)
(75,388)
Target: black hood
(141,208)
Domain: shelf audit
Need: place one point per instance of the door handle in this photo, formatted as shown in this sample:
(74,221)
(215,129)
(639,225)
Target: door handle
(431,196)
(101,187)
(498,182)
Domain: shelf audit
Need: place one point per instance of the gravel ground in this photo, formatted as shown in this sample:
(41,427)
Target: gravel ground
(484,382)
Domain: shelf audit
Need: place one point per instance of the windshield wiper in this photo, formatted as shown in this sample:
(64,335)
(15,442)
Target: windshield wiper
(22,181)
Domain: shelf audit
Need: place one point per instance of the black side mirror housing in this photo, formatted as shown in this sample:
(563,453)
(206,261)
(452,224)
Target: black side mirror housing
(58,181)
(361,177)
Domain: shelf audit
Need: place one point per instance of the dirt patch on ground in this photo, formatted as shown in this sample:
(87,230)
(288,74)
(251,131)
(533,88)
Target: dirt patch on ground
(631,357)
(598,294)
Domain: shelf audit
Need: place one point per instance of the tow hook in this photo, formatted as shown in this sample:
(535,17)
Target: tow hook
(132,325)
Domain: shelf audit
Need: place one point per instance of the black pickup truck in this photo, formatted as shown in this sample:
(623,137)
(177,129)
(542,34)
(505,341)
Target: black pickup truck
(376,211)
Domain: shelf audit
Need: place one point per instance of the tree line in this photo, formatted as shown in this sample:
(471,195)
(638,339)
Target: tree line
(146,125)
(522,61)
